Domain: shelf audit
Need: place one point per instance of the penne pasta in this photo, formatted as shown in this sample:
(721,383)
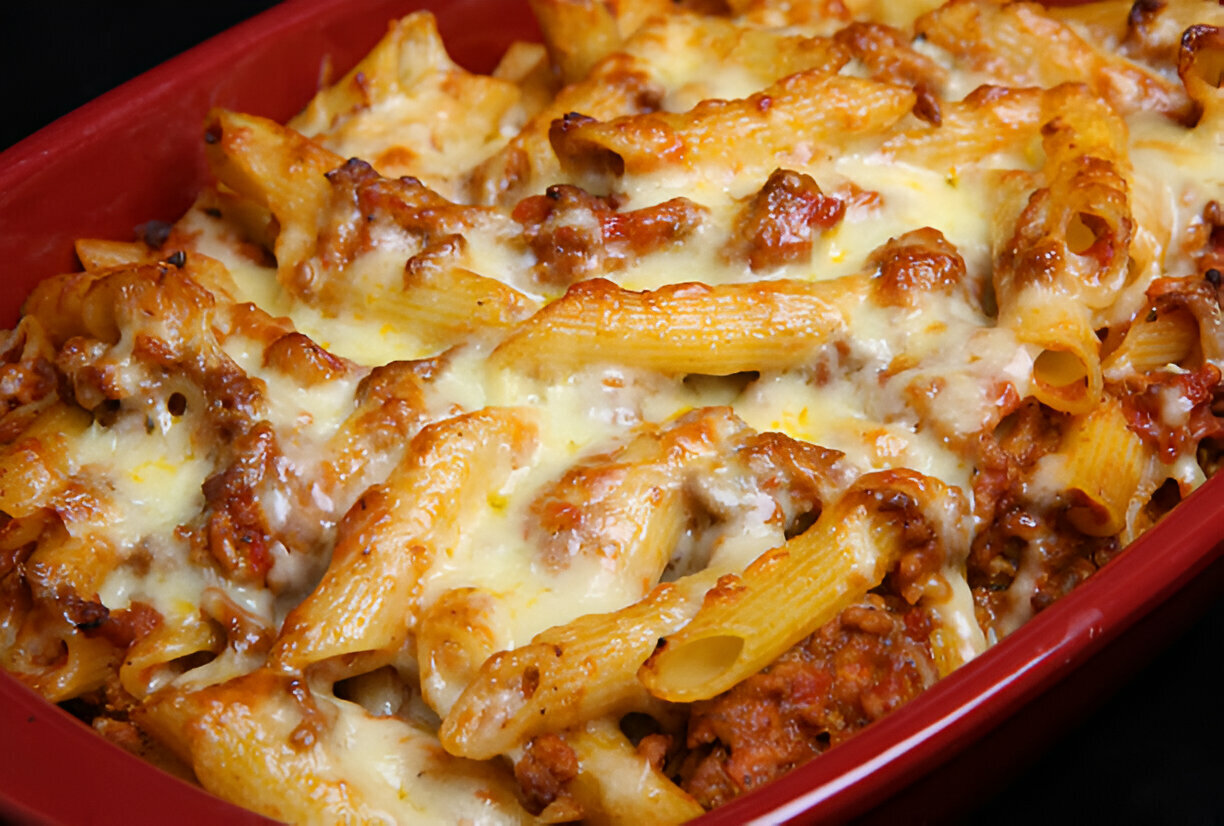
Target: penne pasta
(226,732)
(641,144)
(1101,498)
(747,621)
(601,438)
(596,322)
(992,37)
(571,673)
(1154,342)
(278,169)
(605,754)
(391,536)
(1067,369)
(35,468)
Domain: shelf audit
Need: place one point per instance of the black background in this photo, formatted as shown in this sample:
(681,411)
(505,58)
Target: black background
(1149,752)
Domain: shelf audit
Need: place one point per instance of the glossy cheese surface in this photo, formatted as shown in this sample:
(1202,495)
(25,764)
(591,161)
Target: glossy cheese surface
(228,464)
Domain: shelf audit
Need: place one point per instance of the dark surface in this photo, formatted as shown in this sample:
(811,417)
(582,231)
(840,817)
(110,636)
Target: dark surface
(55,56)
(1150,753)
(1144,750)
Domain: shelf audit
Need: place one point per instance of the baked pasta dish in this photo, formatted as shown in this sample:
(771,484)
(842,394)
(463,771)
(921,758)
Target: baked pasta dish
(600,438)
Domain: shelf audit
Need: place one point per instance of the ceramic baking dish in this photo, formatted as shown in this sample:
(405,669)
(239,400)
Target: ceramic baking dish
(134,155)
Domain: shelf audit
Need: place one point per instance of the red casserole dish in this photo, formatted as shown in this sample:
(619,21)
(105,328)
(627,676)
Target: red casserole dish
(110,166)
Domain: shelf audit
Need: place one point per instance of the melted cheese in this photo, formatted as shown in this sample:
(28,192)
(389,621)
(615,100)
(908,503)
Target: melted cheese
(153,474)
(907,386)
(401,776)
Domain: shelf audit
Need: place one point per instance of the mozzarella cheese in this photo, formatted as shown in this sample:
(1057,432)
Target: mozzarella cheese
(909,384)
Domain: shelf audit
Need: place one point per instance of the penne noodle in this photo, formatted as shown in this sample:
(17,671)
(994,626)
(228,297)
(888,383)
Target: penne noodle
(1154,342)
(100,254)
(83,664)
(606,761)
(989,121)
(449,119)
(747,621)
(628,509)
(597,322)
(35,468)
(577,33)
(599,438)
(456,634)
(410,51)
(1105,463)
(823,107)
(1198,65)
(226,733)
(159,657)
(394,531)
(1067,368)
(996,39)
(446,304)
(276,168)
(567,675)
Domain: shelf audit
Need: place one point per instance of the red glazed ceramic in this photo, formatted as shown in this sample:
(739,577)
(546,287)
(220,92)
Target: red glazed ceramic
(133,155)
